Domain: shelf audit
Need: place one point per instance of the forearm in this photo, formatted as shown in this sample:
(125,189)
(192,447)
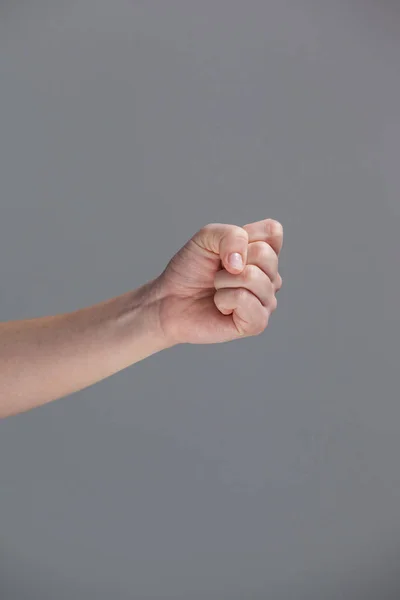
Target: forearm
(46,358)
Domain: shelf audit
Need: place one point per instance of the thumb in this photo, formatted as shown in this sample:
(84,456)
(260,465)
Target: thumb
(228,241)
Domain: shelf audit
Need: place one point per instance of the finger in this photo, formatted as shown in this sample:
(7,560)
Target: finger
(228,241)
(263,256)
(268,230)
(251,278)
(278,283)
(248,315)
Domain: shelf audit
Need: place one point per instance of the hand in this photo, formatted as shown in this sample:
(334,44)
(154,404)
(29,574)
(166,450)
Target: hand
(205,298)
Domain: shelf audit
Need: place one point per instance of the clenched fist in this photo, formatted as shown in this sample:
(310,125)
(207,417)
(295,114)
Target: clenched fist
(222,284)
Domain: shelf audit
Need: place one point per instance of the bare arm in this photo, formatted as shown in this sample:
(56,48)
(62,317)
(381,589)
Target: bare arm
(46,358)
(193,301)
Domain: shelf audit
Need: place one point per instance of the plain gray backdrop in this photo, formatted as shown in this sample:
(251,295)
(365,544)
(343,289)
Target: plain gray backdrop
(267,468)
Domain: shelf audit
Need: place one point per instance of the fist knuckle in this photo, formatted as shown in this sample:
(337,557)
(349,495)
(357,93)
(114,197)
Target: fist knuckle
(258,251)
(269,287)
(273,304)
(273,227)
(264,255)
(250,273)
(270,256)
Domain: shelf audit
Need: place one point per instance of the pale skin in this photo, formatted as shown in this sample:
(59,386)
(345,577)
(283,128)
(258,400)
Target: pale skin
(200,298)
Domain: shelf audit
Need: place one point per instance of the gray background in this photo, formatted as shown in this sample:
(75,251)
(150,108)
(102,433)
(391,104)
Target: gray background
(264,468)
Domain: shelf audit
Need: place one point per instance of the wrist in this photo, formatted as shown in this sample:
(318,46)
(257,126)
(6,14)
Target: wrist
(141,318)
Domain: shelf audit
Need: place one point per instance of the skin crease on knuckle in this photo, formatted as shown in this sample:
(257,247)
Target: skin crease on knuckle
(252,275)
(266,298)
(263,256)
(258,315)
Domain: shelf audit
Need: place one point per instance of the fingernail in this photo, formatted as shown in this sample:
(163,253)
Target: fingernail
(236,260)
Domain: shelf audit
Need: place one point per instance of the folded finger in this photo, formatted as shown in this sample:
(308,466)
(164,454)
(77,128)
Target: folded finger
(268,230)
(251,278)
